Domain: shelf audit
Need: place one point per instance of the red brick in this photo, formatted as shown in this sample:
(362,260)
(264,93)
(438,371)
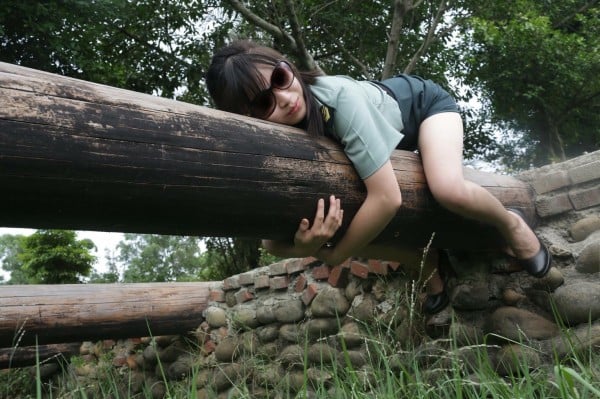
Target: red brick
(338,276)
(243,296)
(300,283)
(551,181)
(246,278)
(378,267)
(310,261)
(295,266)
(279,282)
(217,295)
(585,173)
(261,281)
(359,269)
(209,347)
(277,269)
(108,344)
(231,283)
(553,205)
(310,293)
(585,198)
(119,360)
(132,362)
(320,272)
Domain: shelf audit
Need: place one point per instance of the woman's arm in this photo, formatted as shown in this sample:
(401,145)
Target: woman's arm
(308,239)
(382,202)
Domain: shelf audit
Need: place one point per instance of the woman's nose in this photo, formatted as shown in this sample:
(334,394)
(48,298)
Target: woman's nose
(282,97)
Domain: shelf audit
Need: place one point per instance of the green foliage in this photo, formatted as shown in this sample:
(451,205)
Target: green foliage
(16,383)
(10,248)
(539,65)
(46,257)
(149,46)
(159,258)
(228,256)
(56,257)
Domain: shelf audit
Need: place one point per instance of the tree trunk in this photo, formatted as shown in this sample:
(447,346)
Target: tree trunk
(82,312)
(78,155)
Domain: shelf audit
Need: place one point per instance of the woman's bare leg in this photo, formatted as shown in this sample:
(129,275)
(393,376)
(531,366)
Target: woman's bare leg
(441,145)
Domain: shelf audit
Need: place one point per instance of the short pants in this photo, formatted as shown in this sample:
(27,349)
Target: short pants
(418,99)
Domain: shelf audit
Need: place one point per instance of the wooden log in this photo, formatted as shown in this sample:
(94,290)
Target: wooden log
(31,355)
(84,156)
(82,312)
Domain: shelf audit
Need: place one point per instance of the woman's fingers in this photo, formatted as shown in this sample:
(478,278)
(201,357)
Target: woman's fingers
(323,227)
(320,215)
(335,214)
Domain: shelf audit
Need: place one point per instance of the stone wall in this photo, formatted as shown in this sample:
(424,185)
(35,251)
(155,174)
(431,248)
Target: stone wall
(274,327)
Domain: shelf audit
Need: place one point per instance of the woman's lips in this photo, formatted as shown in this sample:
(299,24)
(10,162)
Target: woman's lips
(294,108)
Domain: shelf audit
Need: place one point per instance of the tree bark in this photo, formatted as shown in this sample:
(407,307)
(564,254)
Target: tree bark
(85,312)
(78,155)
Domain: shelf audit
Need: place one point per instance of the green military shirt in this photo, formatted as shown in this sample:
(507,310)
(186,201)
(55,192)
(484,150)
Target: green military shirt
(367,121)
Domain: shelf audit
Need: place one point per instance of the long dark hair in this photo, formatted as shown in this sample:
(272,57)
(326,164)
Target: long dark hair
(233,80)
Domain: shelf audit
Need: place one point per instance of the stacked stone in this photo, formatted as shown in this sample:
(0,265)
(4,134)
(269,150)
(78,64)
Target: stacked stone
(148,361)
(573,185)
(275,327)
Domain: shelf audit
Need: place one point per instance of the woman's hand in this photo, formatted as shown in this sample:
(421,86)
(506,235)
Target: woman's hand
(308,239)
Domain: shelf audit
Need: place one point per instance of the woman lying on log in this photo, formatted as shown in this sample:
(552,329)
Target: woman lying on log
(370,119)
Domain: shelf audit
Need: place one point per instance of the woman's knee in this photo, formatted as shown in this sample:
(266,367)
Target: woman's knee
(451,194)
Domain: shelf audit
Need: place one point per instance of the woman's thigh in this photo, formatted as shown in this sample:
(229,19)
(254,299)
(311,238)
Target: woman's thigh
(441,148)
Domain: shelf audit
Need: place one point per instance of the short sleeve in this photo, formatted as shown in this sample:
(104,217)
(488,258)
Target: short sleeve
(366,121)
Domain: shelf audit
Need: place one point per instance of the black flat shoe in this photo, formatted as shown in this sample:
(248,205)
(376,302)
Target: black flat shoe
(435,303)
(539,264)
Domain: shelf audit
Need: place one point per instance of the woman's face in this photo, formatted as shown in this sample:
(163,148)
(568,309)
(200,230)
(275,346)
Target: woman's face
(290,107)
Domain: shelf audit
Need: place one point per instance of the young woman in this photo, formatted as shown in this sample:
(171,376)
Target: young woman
(370,119)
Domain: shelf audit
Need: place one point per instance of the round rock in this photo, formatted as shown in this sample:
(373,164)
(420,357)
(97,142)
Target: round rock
(512,323)
(584,227)
(589,259)
(578,303)
(215,317)
(289,311)
(330,302)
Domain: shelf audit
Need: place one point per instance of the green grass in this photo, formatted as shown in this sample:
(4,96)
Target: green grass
(449,372)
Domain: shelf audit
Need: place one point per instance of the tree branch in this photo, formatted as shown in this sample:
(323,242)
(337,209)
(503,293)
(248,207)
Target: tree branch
(400,10)
(346,52)
(268,27)
(307,58)
(581,9)
(430,38)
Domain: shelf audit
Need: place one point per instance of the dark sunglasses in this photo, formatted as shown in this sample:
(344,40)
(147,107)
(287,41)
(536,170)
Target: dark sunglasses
(263,105)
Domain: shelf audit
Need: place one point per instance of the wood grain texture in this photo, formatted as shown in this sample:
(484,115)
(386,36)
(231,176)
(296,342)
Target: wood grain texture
(79,155)
(81,312)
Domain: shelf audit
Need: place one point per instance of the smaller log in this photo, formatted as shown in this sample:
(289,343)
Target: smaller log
(31,355)
(46,314)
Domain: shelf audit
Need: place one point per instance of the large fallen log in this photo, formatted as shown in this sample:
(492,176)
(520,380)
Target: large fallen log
(79,155)
(46,314)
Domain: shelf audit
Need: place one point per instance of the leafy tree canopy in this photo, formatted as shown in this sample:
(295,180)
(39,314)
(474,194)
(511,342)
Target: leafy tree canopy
(538,64)
(46,257)
(159,258)
(10,248)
